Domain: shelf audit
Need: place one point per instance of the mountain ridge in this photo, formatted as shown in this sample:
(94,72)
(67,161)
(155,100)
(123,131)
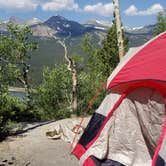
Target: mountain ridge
(49,52)
(62,27)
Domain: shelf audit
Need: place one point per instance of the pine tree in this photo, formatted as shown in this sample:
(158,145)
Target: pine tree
(108,54)
(161,24)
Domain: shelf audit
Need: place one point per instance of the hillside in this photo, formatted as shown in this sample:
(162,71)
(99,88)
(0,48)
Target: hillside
(50,53)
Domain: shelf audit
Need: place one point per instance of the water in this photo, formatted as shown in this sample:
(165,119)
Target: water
(19,95)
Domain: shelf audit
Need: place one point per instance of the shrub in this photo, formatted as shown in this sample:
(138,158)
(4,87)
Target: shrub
(53,95)
(12,111)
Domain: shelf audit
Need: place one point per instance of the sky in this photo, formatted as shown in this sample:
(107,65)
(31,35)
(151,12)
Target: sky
(133,12)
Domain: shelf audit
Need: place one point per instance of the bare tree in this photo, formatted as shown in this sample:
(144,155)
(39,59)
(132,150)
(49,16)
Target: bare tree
(24,79)
(71,66)
(119,29)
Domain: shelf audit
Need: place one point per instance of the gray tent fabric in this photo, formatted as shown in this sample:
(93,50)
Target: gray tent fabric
(129,127)
(132,133)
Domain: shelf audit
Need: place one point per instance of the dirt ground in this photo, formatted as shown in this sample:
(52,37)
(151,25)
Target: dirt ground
(35,149)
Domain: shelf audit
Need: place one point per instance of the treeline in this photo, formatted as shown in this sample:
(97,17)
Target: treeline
(66,88)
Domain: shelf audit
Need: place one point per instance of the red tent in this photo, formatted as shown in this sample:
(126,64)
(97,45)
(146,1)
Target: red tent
(129,127)
(145,66)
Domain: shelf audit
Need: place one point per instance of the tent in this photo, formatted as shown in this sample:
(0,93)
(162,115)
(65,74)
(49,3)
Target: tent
(129,127)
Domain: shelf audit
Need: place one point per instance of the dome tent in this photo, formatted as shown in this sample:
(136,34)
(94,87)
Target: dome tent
(129,127)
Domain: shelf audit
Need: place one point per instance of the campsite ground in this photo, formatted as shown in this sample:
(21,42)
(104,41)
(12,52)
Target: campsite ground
(35,149)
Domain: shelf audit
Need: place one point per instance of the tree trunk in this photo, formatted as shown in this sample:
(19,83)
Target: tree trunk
(119,29)
(24,80)
(74,89)
(72,68)
(27,86)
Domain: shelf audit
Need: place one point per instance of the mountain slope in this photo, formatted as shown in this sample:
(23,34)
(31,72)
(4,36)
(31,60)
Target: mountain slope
(62,27)
(33,21)
(101,25)
(15,20)
(51,53)
(41,30)
(65,27)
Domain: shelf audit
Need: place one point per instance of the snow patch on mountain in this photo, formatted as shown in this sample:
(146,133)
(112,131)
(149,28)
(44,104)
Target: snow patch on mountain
(97,23)
(133,28)
(100,28)
(33,21)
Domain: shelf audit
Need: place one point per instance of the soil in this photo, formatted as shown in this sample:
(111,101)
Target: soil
(33,148)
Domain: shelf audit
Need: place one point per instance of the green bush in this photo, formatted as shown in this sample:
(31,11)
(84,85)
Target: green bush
(12,111)
(8,108)
(53,95)
(88,85)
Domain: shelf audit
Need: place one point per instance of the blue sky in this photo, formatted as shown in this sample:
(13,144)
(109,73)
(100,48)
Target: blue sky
(133,12)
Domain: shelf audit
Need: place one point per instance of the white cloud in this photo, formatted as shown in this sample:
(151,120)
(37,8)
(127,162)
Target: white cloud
(154,9)
(131,11)
(56,5)
(18,5)
(47,5)
(100,9)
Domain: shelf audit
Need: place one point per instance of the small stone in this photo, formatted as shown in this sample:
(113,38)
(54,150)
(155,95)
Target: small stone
(28,163)
(4,161)
(13,158)
(2,165)
(10,163)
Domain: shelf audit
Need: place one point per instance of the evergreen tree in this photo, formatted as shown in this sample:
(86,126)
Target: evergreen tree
(108,55)
(91,77)
(161,24)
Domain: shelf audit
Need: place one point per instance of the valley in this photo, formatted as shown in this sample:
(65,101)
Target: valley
(50,53)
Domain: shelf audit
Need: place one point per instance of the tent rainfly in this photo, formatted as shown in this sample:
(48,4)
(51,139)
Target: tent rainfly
(129,127)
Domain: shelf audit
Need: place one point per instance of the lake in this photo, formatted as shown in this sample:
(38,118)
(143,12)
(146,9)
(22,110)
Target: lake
(20,95)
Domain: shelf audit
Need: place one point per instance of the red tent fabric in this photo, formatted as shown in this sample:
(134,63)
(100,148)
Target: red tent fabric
(147,65)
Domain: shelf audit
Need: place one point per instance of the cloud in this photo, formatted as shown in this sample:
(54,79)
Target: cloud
(154,9)
(131,11)
(46,5)
(56,5)
(100,9)
(18,5)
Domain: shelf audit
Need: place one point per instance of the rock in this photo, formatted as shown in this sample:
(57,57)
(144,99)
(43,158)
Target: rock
(2,164)
(10,163)
(13,158)
(4,161)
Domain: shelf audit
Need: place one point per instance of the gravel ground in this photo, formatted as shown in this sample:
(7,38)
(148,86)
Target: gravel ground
(35,149)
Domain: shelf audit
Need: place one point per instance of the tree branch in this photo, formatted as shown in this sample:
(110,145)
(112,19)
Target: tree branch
(68,59)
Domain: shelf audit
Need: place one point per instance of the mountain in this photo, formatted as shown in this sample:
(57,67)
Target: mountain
(139,35)
(49,52)
(131,29)
(33,21)
(65,27)
(62,27)
(16,21)
(41,30)
(101,25)
(140,30)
